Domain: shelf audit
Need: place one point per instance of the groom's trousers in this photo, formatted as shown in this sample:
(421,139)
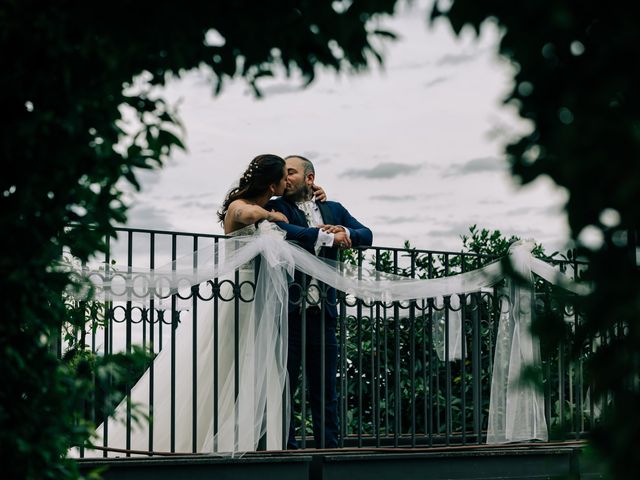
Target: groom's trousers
(314,357)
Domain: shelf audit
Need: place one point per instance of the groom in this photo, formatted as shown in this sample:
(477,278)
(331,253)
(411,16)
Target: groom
(322,229)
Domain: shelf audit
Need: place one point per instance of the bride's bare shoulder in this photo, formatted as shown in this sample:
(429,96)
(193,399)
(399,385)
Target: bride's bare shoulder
(234,215)
(236,207)
(238,202)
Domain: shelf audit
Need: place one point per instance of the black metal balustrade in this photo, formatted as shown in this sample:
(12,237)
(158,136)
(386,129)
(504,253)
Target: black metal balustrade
(396,386)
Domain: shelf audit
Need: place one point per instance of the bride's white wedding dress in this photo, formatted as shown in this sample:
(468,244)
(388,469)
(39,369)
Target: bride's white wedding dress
(244,411)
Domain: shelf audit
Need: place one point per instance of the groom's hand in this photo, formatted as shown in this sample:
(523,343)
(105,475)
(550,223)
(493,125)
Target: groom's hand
(341,240)
(332,228)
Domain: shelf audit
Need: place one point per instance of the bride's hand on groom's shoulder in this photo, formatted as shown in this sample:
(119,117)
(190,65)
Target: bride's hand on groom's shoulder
(319,193)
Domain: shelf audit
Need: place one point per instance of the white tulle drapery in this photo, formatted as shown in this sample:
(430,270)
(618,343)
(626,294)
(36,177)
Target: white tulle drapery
(516,410)
(252,396)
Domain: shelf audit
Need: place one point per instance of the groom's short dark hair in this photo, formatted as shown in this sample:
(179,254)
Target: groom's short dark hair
(308,165)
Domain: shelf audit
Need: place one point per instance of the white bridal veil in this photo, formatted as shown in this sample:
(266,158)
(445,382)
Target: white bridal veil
(516,410)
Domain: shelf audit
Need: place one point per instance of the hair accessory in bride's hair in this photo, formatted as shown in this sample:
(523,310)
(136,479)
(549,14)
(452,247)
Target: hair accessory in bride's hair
(248,174)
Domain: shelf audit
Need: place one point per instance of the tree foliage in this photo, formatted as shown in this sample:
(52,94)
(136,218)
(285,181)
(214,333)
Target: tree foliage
(77,124)
(576,83)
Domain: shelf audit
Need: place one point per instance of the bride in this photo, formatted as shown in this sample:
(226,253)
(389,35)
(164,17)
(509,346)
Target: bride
(246,402)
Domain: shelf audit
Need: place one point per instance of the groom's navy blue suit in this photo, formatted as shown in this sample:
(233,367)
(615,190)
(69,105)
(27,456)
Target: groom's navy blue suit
(298,231)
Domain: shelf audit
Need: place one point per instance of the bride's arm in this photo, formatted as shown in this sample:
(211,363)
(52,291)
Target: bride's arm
(248,214)
(319,193)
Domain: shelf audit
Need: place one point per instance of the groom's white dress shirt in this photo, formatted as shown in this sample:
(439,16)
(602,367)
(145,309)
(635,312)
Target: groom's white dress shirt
(314,219)
(325,239)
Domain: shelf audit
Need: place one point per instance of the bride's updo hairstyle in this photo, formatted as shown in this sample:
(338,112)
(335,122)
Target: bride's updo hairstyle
(263,171)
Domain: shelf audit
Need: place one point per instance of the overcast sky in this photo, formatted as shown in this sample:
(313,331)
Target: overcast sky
(413,149)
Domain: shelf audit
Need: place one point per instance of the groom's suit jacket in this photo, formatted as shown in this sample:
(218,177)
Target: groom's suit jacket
(298,231)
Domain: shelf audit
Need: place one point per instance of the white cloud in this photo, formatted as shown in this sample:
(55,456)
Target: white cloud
(456,58)
(477,165)
(383,171)
(393,198)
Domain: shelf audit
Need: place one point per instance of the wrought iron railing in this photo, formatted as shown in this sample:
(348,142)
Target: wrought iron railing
(398,381)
